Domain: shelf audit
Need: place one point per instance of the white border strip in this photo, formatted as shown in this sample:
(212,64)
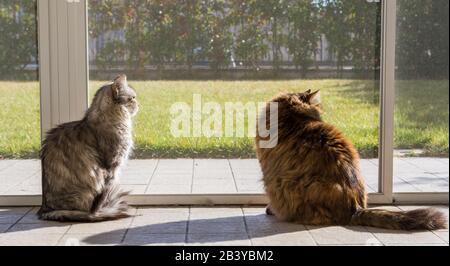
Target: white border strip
(387,99)
(63,61)
(232,199)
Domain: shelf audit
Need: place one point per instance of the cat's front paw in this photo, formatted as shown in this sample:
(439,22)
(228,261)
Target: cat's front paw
(268,210)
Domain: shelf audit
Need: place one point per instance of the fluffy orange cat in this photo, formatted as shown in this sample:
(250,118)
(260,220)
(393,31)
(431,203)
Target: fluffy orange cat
(312,175)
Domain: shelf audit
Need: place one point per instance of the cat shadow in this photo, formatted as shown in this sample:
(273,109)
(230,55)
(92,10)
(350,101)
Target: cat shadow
(204,231)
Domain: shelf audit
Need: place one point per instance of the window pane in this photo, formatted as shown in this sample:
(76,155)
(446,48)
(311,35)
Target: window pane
(19,98)
(237,51)
(421,103)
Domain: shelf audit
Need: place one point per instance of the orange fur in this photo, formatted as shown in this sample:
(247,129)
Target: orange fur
(312,175)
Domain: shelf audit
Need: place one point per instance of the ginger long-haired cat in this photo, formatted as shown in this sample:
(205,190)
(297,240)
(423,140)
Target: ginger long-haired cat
(312,175)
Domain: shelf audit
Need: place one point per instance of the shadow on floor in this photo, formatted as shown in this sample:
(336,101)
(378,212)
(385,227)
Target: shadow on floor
(228,229)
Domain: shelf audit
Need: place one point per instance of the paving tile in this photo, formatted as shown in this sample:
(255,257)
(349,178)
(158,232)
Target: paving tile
(250,186)
(27,239)
(415,244)
(216,212)
(404,237)
(250,189)
(229,239)
(428,183)
(158,211)
(298,238)
(134,180)
(140,166)
(207,226)
(32,218)
(401,166)
(115,227)
(174,166)
(369,171)
(442,235)
(216,221)
(134,189)
(217,226)
(213,189)
(34,180)
(172,176)
(249,177)
(12,215)
(171,180)
(91,240)
(212,174)
(401,185)
(154,239)
(41,229)
(370,189)
(24,190)
(367,167)
(214,182)
(6,163)
(262,224)
(212,165)
(242,164)
(252,210)
(428,164)
(4,227)
(334,235)
(163,224)
(168,189)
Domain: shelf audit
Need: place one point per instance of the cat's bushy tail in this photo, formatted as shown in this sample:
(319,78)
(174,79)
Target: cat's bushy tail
(420,219)
(109,205)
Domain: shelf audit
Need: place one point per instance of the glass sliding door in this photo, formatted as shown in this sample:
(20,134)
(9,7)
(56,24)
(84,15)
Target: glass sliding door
(421,133)
(19,99)
(213,54)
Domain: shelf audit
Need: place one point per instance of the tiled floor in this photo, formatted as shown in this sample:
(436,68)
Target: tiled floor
(200,226)
(184,176)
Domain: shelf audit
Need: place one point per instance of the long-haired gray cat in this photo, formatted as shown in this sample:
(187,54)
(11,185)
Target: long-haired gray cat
(81,159)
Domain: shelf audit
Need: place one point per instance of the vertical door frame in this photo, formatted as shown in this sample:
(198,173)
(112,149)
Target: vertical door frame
(63,72)
(387,98)
(63,61)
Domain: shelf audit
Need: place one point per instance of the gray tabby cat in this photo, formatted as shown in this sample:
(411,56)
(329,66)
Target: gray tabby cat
(81,159)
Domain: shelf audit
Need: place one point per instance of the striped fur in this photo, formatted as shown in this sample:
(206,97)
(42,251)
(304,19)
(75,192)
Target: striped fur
(81,159)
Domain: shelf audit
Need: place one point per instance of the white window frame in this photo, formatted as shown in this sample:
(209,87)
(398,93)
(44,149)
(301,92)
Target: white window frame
(63,69)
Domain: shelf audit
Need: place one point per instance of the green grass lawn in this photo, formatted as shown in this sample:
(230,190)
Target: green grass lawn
(422,117)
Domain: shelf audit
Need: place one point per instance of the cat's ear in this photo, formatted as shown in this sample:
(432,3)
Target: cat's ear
(119,82)
(314,97)
(308,91)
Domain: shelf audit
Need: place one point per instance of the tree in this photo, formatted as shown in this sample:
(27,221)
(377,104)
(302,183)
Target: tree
(422,39)
(217,41)
(336,27)
(190,31)
(303,33)
(249,39)
(18,39)
(107,17)
(161,33)
(364,25)
(274,14)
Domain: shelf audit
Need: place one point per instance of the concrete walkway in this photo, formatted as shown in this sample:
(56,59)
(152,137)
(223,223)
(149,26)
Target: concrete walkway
(184,176)
(201,226)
